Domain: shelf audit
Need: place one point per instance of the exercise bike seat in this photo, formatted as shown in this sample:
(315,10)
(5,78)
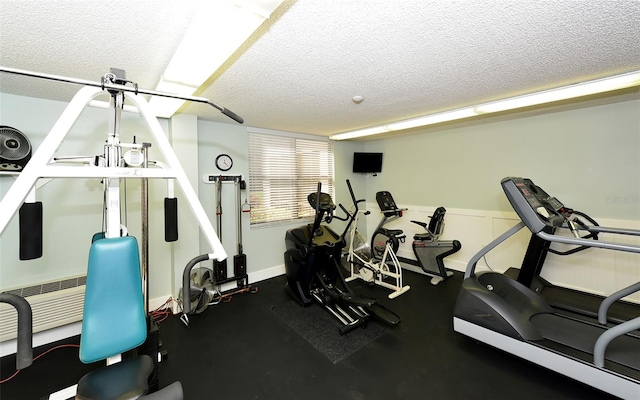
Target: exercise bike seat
(423,236)
(399,233)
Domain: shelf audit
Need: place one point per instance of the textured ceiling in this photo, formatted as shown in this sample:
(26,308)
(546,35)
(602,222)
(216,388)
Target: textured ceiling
(299,72)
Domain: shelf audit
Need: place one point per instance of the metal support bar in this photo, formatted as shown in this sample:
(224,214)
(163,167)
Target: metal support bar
(144,211)
(122,88)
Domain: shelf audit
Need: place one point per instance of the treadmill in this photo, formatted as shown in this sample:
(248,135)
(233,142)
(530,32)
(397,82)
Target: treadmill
(564,299)
(497,310)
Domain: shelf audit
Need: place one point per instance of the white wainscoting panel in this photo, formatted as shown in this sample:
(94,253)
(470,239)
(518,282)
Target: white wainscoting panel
(594,270)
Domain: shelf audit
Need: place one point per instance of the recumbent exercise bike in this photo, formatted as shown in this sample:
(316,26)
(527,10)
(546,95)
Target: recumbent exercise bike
(313,271)
(430,252)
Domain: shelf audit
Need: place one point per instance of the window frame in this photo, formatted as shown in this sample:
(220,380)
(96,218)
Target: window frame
(286,168)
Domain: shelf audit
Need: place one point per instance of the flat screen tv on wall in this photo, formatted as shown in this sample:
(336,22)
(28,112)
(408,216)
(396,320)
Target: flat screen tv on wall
(367,162)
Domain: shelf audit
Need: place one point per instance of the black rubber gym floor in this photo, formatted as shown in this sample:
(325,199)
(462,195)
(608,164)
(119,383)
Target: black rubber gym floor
(248,348)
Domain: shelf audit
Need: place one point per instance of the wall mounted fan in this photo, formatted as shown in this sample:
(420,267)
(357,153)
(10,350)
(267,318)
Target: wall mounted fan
(15,149)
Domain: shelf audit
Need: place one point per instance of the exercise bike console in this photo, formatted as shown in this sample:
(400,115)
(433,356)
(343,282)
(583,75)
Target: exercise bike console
(382,235)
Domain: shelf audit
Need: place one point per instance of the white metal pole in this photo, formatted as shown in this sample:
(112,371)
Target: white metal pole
(37,164)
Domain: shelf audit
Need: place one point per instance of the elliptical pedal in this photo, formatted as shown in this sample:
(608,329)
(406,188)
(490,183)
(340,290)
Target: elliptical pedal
(349,321)
(383,314)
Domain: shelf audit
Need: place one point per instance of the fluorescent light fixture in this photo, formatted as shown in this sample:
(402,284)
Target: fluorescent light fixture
(617,82)
(218,29)
(432,119)
(360,132)
(563,93)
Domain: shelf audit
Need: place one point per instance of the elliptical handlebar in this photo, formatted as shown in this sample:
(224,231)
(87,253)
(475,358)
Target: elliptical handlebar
(319,214)
(351,216)
(353,198)
(319,191)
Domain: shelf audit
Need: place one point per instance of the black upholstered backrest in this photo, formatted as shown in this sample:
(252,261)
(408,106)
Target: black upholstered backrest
(437,221)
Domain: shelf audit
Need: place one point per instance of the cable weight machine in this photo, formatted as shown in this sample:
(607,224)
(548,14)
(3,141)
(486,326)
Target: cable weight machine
(114,262)
(205,286)
(220,268)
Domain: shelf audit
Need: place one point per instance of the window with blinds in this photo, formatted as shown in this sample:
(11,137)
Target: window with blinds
(283,171)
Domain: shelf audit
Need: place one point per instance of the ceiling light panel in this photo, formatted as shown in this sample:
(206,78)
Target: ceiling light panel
(217,31)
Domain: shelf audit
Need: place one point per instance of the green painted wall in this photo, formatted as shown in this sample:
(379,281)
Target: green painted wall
(588,157)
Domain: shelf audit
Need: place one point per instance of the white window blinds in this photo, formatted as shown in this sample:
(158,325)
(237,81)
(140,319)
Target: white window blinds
(283,171)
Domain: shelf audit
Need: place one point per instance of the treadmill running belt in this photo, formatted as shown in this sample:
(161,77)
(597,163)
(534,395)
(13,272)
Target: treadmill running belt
(623,350)
(588,304)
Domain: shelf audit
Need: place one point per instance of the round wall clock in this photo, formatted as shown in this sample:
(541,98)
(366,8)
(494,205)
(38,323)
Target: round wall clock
(224,162)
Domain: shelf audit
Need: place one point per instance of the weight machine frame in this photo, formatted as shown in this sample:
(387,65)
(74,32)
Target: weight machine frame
(41,164)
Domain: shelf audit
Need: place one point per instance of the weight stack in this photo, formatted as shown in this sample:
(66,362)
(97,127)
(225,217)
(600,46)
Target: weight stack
(220,270)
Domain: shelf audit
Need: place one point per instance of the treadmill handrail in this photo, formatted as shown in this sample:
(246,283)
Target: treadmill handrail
(609,300)
(588,243)
(607,336)
(471,266)
(612,298)
(619,231)
(605,229)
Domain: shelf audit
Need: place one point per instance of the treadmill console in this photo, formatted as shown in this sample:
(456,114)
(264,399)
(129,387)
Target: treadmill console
(549,210)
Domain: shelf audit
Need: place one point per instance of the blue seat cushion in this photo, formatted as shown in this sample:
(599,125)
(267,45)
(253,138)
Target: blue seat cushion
(114,319)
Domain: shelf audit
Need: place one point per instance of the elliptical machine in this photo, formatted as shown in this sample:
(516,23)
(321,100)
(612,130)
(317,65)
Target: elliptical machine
(312,264)
(430,252)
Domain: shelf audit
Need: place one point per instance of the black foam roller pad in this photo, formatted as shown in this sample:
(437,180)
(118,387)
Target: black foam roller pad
(30,230)
(170,219)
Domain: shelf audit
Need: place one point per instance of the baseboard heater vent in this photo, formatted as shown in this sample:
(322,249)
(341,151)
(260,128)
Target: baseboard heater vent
(53,304)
